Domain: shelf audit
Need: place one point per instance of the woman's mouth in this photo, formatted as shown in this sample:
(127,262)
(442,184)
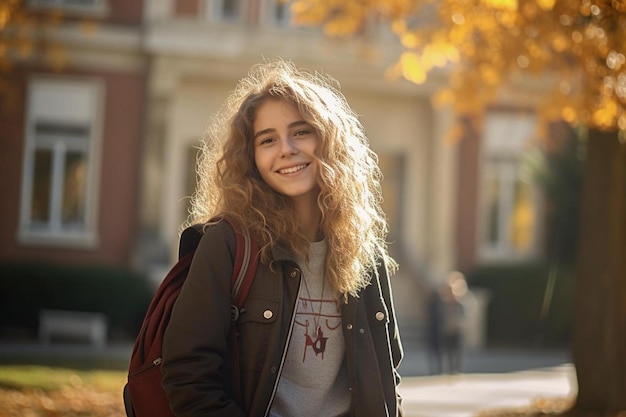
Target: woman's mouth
(292,170)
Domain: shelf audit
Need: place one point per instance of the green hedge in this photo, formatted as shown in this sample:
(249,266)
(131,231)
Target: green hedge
(26,288)
(516,302)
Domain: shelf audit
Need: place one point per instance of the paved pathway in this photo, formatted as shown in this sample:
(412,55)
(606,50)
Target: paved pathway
(463,395)
(482,361)
(491,379)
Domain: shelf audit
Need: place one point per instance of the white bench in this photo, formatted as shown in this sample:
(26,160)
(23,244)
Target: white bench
(80,325)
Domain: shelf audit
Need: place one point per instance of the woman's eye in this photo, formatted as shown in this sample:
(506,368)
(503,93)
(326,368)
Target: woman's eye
(302,132)
(265,141)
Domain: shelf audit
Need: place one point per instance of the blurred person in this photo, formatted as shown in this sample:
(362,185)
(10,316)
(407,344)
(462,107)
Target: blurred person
(433,332)
(453,321)
(287,160)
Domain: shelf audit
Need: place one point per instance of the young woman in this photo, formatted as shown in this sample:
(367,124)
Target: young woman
(287,160)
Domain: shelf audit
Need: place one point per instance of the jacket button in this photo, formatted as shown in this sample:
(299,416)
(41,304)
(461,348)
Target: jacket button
(268,314)
(349,327)
(380,315)
(361,331)
(273,369)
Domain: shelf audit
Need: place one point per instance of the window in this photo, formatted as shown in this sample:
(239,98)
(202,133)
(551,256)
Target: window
(90,7)
(225,10)
(509,201)
(276,13)
(59,184)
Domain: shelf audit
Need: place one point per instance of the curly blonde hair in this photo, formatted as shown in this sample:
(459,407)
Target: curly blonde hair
(229,184)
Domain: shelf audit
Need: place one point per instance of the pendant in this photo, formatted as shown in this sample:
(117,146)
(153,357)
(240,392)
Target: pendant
(318,345)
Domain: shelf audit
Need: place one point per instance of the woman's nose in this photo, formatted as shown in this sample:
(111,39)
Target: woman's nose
(287,146)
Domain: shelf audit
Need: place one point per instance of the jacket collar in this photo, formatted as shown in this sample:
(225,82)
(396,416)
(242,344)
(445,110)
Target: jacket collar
(281,253)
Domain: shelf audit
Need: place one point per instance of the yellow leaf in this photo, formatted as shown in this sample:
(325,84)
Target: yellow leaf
(392,73)
(442,97)
(501,4)
(305,13)
(507,18)
(436,55)
(568,114)
(398,26)
(412,68)
(490,75)
(560,43)
(4,16)
(546,4)
(451,52)
(410,40)
(605,115)
(342,26)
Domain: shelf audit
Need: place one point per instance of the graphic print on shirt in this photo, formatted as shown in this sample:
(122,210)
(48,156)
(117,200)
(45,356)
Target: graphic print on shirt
(318,319)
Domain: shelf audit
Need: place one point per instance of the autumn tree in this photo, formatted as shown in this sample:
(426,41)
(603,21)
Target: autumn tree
(27,38)
(569,56)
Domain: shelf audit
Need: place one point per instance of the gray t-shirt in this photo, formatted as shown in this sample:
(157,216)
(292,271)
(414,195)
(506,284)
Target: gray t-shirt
(314,379)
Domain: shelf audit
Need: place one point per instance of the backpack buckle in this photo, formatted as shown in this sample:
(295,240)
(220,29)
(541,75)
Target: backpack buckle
(234,313)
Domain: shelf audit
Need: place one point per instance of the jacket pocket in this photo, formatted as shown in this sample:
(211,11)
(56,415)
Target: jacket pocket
(259,310)
(256,322)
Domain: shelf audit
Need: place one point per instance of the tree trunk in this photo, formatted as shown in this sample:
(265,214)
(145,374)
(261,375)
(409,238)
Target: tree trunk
(599,339)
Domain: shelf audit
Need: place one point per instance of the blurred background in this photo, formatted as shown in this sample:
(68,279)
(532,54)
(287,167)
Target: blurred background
(104,103)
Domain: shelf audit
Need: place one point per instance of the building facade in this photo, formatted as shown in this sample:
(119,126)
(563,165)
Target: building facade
(72,135)
(99,154)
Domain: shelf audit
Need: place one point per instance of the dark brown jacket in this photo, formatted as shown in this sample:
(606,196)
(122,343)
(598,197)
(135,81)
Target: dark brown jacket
(196,358)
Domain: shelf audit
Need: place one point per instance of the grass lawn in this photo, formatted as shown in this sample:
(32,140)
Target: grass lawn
(47,391)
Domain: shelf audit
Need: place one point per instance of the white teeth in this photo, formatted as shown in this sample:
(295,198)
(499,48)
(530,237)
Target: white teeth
(292,169)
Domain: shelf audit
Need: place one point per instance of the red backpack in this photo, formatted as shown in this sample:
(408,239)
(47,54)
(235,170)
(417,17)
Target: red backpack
(143,393)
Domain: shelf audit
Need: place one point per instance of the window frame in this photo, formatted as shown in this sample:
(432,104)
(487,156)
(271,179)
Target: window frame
(213,11)
(54,234)
(267,15)
(505,163)
(98,8)
(267,18)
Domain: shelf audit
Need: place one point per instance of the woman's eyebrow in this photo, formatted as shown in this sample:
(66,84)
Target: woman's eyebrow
(264,131)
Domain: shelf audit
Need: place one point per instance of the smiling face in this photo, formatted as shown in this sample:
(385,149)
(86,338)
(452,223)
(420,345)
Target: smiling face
(284,150)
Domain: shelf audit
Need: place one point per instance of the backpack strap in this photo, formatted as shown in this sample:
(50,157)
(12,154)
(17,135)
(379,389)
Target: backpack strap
(189,239)
(244,270)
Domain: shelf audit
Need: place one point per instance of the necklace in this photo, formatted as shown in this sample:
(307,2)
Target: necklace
(316,317)
(317,341)
(313,270)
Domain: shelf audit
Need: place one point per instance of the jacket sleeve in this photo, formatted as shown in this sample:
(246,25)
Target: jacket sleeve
(397,352)
(195,343)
